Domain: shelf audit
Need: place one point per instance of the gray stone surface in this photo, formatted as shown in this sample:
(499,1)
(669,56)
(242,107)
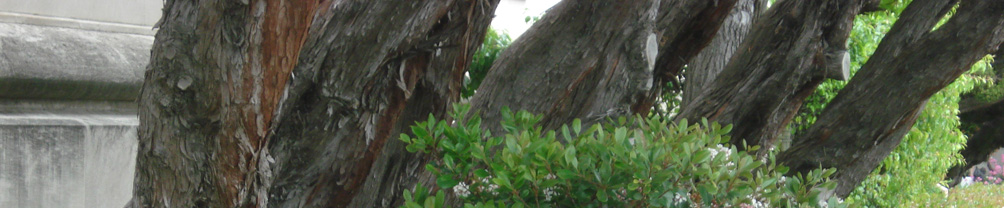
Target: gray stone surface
(135,12)
(82,160)
(41,62)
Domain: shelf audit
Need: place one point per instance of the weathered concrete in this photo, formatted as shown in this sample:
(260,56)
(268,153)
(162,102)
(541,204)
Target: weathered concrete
(66,160)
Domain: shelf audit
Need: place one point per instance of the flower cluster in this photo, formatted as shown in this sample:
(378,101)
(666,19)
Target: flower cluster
(461,190)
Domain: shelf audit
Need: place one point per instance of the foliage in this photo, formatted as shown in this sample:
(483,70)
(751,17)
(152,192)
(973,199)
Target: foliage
(495,42)
(639,162)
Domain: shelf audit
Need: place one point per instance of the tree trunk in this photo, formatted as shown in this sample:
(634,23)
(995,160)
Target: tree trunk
(584,59)
(704,67)
(793,47)
(869,117)
(277,104)
(684,29)
(599,68)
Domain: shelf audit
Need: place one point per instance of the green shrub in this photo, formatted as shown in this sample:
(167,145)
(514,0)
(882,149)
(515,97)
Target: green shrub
(495,42)
(639,162)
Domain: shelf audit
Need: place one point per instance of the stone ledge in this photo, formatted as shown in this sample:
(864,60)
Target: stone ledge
(41,62)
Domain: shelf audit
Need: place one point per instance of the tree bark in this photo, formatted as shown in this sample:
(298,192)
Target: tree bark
(586,59)
(684,29)
(763,86)
(704,67)
(277,104)
(869,117)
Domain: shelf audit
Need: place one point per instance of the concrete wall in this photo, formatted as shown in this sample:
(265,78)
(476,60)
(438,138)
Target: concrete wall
(70,71)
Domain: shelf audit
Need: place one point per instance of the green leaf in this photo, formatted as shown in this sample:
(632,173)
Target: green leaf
(602,196)
(577,126)
(566,174)
(430,203)
(407,195)
(440,198)
(446,182)
(481,173)
(701,156)
(448,160)
(570,157)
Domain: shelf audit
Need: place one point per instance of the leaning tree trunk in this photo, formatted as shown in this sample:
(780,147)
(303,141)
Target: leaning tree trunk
(295,103)
(592,59)
(704,67)
(793,47)
(869,117)
(585,59)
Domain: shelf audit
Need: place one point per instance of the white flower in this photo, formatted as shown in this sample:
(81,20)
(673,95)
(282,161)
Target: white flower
(680,198)
(488,186)
(757,203)
(549,193)
(461,190)
(720,149)
(549,176)
(725,150)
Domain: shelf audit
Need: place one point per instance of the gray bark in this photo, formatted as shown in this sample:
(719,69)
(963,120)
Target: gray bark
(762,87)
(584,59)
(869,117)
(277,104)
(704,67)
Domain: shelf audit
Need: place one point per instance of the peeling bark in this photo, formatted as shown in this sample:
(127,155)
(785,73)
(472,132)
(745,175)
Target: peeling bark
(869,117)
(280,105)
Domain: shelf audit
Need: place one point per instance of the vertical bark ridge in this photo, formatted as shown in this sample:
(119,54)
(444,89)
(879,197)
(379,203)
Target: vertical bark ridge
(703,68)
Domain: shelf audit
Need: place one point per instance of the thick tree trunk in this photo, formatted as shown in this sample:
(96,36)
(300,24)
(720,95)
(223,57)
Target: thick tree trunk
(586,59)
(224,123)
(869,117)
(597,66)
(793,47)
(704,67)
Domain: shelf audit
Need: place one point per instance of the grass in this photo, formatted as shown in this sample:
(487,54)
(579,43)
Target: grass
(976,196)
